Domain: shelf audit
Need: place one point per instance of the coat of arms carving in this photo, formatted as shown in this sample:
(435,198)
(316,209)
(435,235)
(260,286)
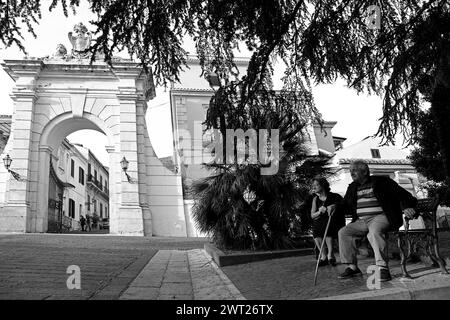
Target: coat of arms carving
(81,40)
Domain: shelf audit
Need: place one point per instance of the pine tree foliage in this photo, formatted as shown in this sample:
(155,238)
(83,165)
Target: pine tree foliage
(18,14)
(404,60)
(426,156)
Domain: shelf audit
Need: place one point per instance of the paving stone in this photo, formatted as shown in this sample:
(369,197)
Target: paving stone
(292,278)
(186,277)
(176,288)
(33,266)
(205,282)
(175,297)
(140,293)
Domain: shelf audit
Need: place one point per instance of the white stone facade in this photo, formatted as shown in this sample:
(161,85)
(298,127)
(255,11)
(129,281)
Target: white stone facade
(52,99)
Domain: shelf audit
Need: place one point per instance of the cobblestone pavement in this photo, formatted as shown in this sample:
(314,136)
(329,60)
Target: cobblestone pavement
(33,266)
(181,275)
(292,278)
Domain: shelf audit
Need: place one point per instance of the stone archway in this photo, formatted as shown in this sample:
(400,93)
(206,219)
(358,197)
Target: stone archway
(65,93)
(53,98)
(51,138)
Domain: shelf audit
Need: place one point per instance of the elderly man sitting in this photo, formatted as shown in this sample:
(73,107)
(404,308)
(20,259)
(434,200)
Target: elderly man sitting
(376,204)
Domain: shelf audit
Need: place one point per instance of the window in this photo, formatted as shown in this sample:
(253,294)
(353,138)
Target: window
(375,153)
(81,210)
(71,208)
(81,176)
(106,211)
(72,168)
(95,175)
(89,203)
(101,210)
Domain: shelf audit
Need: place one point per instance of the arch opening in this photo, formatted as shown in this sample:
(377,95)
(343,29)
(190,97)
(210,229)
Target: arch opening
(76,172)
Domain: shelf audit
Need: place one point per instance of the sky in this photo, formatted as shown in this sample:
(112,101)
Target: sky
(356,115)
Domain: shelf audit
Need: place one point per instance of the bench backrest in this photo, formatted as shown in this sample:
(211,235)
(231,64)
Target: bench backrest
(426,208)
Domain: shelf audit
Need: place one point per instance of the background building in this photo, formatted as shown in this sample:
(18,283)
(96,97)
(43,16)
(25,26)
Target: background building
(189,100)
(97,182)
(5,129)
(382,160)
(73,190)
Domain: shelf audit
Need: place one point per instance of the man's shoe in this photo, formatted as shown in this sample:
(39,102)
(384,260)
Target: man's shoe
(323,263)
(385,275)
(350,273)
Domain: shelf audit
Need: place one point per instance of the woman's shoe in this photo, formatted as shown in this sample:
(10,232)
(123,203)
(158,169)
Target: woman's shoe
(323,262)
(332,262)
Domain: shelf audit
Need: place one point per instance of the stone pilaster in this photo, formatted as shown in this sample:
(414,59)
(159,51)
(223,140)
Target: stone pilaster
(17,205)
(130,215)
(142,167)
(39,222)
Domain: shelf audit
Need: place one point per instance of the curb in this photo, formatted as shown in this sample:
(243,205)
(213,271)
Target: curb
(427,292)
(222,259)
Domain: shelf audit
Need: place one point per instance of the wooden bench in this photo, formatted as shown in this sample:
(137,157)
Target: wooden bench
(411,241)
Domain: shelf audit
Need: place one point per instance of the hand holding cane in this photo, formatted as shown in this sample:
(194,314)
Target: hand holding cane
(323,242)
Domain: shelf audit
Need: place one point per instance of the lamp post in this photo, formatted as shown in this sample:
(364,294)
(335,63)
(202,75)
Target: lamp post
(124,164)
(213,80)
(7,163)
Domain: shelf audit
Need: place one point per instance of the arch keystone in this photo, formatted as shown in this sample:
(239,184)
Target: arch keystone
(78,101)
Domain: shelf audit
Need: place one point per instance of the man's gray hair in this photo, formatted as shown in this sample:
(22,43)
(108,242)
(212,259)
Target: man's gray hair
(361,165)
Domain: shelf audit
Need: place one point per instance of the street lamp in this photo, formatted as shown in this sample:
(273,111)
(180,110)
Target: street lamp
(124,164)
(7,163)
(214,81)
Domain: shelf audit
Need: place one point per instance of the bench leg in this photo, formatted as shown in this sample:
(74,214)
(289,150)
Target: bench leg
(430,250)
(439,259)
(403,256)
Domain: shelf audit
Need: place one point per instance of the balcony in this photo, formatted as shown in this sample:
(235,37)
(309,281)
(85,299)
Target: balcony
(93,182)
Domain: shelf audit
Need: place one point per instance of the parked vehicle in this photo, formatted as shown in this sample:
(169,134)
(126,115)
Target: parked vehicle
(104,223)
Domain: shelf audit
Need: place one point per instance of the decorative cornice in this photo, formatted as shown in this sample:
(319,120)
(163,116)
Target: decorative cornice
(82,69)
(110,149)
(127,97)
(47,149)
(376,161)
(22,68)
(27,94)
(239,60)
(191,89)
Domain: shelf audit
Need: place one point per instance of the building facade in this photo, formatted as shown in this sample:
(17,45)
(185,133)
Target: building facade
(61,93)
(387,161)
(78,187)
(5,129)
(189,100)
(97,185)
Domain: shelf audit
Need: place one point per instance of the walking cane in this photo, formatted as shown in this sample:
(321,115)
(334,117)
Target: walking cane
(321,248)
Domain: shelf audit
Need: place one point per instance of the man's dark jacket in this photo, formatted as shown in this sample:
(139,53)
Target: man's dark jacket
(392,198)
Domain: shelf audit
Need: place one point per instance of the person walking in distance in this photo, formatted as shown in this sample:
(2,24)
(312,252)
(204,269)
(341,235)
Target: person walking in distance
(83,223)
(88,223)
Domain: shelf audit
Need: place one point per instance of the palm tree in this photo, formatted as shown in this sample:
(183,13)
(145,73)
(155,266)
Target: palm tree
(244,209)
